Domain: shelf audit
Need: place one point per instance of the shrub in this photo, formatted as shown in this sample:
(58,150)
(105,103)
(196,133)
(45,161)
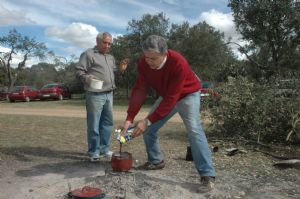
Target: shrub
(251,110)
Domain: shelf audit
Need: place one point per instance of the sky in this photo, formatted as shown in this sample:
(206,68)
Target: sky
(68,27)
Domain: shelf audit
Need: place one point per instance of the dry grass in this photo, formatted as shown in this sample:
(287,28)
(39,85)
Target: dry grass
(39,145)
(41,131)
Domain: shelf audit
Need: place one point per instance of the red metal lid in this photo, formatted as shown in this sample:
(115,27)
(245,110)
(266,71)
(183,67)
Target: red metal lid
(86,192)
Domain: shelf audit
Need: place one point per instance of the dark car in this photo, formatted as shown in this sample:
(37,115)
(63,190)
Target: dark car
(3,95)
(208,89)
(23,93)
(288,88)
(55,91)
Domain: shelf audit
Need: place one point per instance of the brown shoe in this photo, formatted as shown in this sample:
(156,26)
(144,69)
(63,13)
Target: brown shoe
(150,166)
(207,184)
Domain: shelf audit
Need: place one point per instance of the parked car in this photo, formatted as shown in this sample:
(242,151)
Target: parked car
(54,91)
(208,89)
(3,95)
(288,88)
(23,93)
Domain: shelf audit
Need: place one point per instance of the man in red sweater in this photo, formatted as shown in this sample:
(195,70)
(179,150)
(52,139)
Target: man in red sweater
(169,74)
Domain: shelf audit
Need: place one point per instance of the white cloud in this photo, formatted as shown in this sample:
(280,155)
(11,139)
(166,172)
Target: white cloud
(17,58)
(57,12)
(171,2)
(9,17)
(224,23)
(60,16)
(71,50)
(221,21)
(4,49)
(77,34)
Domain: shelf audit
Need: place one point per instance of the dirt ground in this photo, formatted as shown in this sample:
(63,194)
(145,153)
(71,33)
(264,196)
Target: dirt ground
(30,173)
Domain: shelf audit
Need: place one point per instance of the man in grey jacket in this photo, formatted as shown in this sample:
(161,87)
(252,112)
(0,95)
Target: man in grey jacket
(97,63)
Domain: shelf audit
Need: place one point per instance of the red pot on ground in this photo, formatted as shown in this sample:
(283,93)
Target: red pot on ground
(121,161)
(87,193)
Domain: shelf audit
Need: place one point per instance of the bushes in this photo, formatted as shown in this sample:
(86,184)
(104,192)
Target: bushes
(250,109)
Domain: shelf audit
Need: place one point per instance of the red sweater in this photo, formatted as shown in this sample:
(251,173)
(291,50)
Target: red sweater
(172,82)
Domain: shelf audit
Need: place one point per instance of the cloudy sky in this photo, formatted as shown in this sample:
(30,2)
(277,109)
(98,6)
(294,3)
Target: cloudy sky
(70,26)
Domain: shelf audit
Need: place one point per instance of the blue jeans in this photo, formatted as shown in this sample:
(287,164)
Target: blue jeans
(99,122)
(188,109)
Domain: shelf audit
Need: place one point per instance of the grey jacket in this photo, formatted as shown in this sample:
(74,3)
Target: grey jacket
(102,66)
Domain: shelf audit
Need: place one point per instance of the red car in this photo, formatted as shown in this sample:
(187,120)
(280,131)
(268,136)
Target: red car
(54,91)
(23,93)
(3,95)
(207,89)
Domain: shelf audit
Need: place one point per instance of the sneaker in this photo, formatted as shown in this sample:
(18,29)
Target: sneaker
(207,184)
(108,154)
(150,166)
(94,159)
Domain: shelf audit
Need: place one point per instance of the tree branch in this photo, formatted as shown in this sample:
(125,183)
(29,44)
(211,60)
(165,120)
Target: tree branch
(243,51)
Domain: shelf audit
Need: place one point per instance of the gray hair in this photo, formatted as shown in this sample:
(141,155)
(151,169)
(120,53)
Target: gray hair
(102,35)
(155,43)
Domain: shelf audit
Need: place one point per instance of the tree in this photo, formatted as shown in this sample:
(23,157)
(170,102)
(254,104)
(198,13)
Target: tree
(42,73)
(149,24)
(203,46)
(18,44)
(123,48)
(177,35)
(273,31)
(129,45)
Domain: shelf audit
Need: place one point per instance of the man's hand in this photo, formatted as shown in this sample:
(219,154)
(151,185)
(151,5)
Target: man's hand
(123,64)
(126,126)
(88,79)
(140,127)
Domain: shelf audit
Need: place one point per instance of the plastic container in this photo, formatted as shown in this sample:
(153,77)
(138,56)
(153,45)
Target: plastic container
(96,84)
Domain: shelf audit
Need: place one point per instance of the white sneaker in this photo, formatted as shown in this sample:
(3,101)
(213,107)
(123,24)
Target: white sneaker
(94,159)
(108,154)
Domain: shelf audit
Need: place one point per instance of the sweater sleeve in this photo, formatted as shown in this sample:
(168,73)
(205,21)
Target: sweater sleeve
(138,97)
(174,87)
(82,66)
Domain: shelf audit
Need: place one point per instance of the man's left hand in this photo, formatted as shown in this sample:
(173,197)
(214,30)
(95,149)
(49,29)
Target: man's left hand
(123,64)
(140,127)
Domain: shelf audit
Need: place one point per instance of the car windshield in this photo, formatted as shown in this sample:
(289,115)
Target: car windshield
(206,84)
(50,86)
(18,88)
(287,84)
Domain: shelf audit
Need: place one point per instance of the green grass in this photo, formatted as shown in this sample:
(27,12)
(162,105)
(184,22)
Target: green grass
(27,137)
(66,104)
(63,133)
(46,104)
(41,131)
(44,140)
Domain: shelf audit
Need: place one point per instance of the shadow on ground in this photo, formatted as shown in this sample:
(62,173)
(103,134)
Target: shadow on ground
(41,161)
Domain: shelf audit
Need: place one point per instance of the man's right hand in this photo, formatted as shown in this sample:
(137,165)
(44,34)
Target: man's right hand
(88,79)
(126,125)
